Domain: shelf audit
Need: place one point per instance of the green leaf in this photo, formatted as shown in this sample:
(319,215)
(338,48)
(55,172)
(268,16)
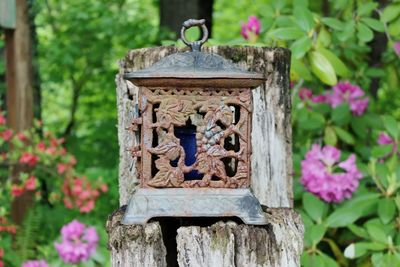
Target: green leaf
(322,68)
(338,65)
(366,8)
(312,260)
(356,250)
(330,136)
(374,24)
(344,135)
(289,33)
(314,207)
(333,23)
(300,69)
(328,261)
(341,114)
(376,233)
(359,231)
(347,31)
(381,151)
(390,124)
(314,234)
(324,38)
(364,33)
(390,13)
(386,209)
(351,211)
(300,47)
(304,18)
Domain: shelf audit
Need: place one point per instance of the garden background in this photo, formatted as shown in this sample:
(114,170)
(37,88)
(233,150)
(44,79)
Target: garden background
(345,116)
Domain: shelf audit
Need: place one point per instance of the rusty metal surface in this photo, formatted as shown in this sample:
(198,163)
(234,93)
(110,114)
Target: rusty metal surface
(185,202)
(195,68)
(222,122)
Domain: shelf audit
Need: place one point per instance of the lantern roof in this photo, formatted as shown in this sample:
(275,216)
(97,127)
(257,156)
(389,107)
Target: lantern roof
(195,68)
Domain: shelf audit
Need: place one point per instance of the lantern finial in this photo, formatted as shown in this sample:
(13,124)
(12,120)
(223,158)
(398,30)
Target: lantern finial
(196,45)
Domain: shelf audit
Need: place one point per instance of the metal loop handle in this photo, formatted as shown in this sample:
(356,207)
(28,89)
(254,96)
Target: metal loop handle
(196,45)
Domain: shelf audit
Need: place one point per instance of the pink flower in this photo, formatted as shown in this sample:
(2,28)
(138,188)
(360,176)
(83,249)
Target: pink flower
(61,168)
(305,93)
(326,177)
(29,159)
(41,146)
(2,119)
(79,193)
(35,263)
(385,139)
(30,183)
(6,135)
(396,48)
(78,242)
(345,92)
(22,137)
(251,29)
(319,99)
(16,190)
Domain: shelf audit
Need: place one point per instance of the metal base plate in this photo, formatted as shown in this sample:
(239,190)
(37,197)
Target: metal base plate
(193,202)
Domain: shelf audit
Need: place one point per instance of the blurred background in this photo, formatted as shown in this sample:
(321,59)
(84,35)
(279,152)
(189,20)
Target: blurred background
(58,136)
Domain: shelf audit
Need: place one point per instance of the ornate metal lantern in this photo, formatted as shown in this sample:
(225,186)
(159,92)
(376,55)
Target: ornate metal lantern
(195,129)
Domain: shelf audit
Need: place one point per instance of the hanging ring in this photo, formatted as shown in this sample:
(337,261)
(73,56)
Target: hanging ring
(196,45)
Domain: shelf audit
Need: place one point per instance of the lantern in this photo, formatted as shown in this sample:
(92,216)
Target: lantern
(194,156)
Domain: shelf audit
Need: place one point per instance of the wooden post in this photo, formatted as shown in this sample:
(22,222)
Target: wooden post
(19,76)
(223,243)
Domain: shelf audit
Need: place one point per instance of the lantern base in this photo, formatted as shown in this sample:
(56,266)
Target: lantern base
(193,202)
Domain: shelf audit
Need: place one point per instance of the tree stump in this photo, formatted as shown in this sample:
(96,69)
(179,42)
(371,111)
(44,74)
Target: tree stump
(202,242)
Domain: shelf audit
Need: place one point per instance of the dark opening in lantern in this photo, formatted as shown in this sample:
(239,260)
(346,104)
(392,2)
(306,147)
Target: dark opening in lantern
(195,129)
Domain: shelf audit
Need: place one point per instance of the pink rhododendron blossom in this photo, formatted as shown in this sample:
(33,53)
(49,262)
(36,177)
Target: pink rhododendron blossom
(2,119)
(17,190)
(30,183)
(305,93)
(80,193)
(35,263)
(326,177)
(29,159)
(396,48)
(251,29)
(385,139)
(6,135)
(345,92)
(78,242)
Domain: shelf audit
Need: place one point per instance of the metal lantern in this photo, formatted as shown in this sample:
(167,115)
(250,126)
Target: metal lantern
(195,130)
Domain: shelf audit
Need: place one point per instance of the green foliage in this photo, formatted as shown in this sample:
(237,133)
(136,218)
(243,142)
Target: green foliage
(28,235)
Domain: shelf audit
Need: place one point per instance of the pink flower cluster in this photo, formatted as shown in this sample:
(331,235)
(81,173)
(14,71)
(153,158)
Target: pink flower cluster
(385,139)
(326,177)
(35,263)
(78,242)
(29,185)
(343,92)
(78,192)
(251,29)
(396,48)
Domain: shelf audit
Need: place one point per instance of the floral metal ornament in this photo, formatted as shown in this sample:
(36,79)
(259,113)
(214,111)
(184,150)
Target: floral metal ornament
(195,129)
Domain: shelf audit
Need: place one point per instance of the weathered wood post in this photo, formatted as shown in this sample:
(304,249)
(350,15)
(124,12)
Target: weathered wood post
(217,242)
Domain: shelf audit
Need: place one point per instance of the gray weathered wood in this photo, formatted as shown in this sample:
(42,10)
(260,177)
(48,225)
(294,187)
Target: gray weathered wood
(271,133)
(135,245)
(229,244)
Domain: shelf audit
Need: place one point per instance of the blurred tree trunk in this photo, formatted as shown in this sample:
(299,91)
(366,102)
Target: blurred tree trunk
(378,46)
(19,81)
(174,12)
